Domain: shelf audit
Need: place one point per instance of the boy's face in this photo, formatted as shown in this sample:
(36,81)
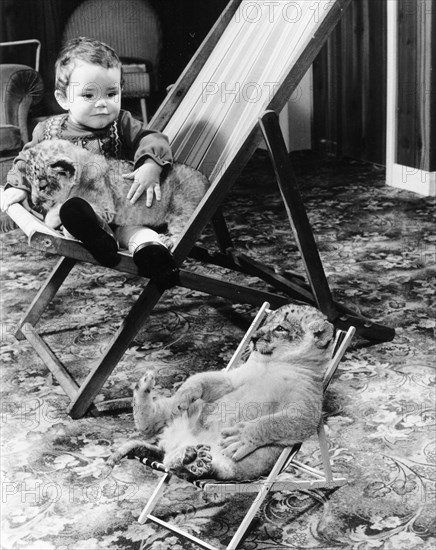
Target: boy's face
(93,95)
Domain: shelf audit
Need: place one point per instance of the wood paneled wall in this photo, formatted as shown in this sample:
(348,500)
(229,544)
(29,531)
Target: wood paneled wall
(416,129)
(350,85)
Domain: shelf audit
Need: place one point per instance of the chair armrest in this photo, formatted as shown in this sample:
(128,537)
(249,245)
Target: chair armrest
(20,88)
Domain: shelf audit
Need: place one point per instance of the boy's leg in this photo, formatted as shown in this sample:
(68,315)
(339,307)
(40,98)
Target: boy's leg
(80,220)
(152,257)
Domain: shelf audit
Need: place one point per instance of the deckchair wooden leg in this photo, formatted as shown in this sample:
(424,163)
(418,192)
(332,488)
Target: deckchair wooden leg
(115,350)
(295,289)
(222,232)
(298,219)
(182,533)
(45,295)
(229,290)
(66,381)
(262,494)
(146,514)
(231,259)
(157,493)
(338,354)
(325,454)
(245,342)
(294,286)
(303,234)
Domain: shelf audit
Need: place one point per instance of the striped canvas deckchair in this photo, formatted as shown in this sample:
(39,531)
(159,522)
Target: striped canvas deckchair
(215,116)
(280,478)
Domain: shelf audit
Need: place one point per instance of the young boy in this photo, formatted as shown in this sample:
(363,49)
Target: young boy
(88,86)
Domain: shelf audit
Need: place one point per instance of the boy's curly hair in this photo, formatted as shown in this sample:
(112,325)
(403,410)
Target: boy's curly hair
(83,49)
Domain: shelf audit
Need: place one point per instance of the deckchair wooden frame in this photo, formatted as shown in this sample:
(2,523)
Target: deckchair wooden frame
(315,292)
(313,478)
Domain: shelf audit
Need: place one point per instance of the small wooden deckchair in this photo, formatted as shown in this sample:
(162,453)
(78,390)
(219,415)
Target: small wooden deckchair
(245,71)
(312,478)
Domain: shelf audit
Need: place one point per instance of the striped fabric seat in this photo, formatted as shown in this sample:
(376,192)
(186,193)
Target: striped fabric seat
(244,75)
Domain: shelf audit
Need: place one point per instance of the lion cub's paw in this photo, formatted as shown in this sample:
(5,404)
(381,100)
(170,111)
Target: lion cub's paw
(146,383)
(197,460)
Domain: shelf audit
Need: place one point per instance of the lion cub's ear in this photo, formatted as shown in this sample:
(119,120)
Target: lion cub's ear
(62,169)
(322,332)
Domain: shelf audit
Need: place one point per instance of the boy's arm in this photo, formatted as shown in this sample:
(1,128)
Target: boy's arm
(142,143)
(150,152)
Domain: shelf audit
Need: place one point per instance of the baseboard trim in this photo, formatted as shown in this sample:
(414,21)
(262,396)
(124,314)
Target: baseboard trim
(412,179)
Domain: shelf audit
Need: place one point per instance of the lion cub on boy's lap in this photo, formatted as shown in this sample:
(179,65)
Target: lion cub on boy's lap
(233,425)
(58,170)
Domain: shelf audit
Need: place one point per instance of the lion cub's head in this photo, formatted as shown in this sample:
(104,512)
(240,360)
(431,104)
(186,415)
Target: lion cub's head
(294,331)
(53,167)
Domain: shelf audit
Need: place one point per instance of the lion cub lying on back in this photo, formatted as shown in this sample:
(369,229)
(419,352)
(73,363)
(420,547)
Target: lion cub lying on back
(234,424)
(58,170)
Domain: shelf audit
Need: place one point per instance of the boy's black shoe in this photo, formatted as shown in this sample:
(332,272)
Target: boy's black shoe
(79,219)
(156,262)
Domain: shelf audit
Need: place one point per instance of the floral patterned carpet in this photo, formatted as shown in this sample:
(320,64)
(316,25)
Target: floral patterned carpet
(379,255)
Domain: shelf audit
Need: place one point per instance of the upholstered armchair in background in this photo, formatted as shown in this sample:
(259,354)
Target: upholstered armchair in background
(21,87)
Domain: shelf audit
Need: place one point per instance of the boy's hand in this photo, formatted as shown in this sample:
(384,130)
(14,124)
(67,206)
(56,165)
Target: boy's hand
(146,178)
(11,195)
